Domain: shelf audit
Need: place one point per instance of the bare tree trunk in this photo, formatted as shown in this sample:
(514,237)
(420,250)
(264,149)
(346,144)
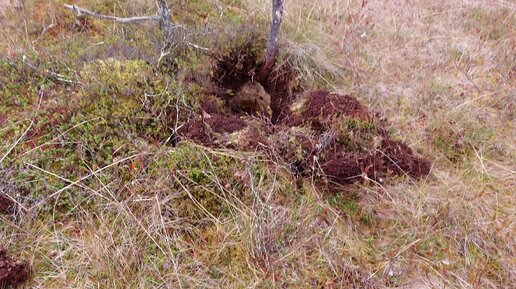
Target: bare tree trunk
(167,26)
(272,41)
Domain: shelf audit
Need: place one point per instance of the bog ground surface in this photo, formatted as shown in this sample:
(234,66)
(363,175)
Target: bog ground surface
(378,153)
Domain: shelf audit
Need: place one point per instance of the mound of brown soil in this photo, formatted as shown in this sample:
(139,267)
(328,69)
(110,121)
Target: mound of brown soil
(221,123)
(347,168)
(400,159)
(208,127)
(322,107)
(333,134)
(318,133)
(197,131)
(12,272)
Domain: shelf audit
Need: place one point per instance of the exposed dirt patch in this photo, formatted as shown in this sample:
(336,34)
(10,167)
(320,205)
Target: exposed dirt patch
(338,137)
(253,138)
(322,107)
(283,85)
(6,204)
(198,131)
(236,67)
(207,128)
(12,272)
(317,133)
(239,67)
(346,168)
(221,123)
(400,159)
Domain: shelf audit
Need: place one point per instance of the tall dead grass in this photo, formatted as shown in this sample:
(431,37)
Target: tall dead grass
(443,72)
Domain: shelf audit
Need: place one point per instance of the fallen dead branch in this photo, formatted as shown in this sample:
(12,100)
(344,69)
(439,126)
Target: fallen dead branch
(82,11)
(162,16)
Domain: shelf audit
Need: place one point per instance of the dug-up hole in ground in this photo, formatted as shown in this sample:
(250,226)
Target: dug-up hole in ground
(317,133)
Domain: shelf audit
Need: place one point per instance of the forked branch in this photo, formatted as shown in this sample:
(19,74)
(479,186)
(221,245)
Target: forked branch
(166,24)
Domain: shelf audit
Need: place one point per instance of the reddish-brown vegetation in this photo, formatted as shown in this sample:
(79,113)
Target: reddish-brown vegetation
(12,272)
(221,123)
(322,107)
(345,167)
(6,204)
(400,159)
(64,24)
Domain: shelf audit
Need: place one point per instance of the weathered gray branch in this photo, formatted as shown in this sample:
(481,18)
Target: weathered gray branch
(82,11)
(272,41)
(166,24)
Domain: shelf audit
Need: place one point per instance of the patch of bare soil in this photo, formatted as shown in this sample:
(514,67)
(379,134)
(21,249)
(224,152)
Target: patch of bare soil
(253,138)
(236,67)
(239,67)
(317,133)
(207,128)
(282,84)
(400,159)
(221,123)
(6,204)
(346,168)
(12,272)
(322,107)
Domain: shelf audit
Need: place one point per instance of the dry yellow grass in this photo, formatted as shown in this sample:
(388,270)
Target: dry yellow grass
(432,68)
(442,72)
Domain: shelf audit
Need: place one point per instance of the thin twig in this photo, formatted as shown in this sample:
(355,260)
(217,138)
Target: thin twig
(45,29)
(82,11)
(197,46)
(17,141)
(83,178)
(26,131)
(50,74)
(12,199)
